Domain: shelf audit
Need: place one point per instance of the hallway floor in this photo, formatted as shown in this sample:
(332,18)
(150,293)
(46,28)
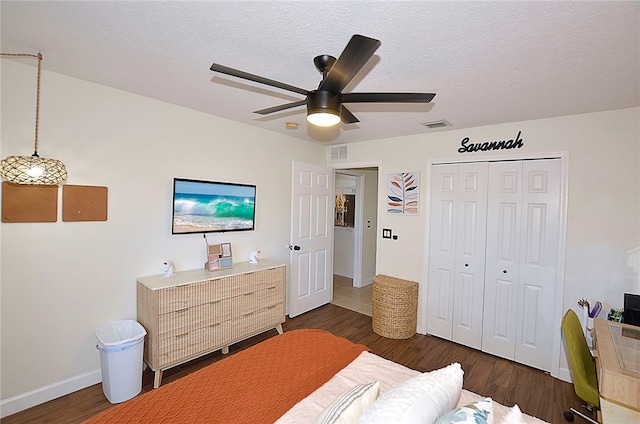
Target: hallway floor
(352,298)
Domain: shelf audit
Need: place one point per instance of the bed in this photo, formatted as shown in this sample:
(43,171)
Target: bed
(307,376)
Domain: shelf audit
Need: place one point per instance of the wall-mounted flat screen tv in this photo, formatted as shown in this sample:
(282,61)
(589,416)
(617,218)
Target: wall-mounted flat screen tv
(212,206)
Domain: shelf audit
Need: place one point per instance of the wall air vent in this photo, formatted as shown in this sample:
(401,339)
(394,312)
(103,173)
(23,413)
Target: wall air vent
(339,152)
(437,124)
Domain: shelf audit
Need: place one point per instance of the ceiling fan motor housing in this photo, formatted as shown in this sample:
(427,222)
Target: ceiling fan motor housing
(323,101)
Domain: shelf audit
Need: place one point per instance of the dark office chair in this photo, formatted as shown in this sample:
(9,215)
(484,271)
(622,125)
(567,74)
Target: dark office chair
(583,366)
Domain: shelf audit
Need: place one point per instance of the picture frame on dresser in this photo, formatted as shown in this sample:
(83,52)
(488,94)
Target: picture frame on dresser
(219,256)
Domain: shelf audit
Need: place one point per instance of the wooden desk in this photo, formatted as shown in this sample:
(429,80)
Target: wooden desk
(619,386)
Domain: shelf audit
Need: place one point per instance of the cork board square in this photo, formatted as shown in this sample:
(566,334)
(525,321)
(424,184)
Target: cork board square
(84,203)
(29,203)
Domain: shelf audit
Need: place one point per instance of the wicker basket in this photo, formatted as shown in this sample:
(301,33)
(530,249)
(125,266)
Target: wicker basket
(395,307)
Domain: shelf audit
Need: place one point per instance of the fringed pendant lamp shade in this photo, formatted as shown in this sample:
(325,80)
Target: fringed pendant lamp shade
(33,169)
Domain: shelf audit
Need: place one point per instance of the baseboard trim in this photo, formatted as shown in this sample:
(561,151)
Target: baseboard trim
(564,374)
(30,399)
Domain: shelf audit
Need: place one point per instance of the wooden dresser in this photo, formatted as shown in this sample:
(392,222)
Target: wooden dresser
(197,312)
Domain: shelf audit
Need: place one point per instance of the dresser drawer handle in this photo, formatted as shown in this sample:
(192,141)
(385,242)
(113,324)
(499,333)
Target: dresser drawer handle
(182,335)
(272,288)
(181,311)
(249,314)
(248,294)
(272,307)
(215,302)
(217,324)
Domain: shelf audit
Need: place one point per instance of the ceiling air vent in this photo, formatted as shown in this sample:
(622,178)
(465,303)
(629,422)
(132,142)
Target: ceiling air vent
(437,124)
(339,152)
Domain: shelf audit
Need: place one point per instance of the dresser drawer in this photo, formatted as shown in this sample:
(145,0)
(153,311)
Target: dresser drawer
(258,280)
(182,297)
(184,320)
(259,299)
(254,321)
(193,343)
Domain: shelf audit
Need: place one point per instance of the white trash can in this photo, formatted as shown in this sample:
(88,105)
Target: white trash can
(121,345)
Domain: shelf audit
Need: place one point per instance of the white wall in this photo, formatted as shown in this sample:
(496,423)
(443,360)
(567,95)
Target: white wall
(60,281)
(603,233)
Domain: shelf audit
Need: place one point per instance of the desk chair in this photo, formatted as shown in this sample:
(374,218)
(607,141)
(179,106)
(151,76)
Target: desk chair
(583,366)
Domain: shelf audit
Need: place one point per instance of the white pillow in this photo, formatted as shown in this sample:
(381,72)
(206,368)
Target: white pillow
(421,399)
(348,407)
(480,412)
(514,416)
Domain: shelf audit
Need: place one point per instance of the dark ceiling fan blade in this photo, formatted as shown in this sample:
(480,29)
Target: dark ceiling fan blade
(256,78)
(387,97)
(281,107)
(357,52)
(346,116)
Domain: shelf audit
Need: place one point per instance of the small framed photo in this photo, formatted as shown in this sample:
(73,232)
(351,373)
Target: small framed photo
(226,250)
(225,263)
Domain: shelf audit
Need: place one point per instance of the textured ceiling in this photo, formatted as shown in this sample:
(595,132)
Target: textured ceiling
(488,62)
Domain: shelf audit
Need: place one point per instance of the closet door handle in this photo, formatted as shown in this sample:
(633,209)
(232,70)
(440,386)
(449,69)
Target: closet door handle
(504,271)
(466,264)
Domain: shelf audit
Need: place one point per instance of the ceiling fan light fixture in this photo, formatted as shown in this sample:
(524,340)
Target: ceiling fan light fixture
(323,108)
(324,119)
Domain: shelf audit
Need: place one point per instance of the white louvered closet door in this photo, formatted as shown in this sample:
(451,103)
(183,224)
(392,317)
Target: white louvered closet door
(457,257)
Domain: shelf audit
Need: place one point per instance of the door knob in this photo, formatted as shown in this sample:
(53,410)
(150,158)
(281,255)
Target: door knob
(466,264)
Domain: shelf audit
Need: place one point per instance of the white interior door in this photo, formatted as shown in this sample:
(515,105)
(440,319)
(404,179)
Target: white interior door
(522,258)
(541,219)
(494,243)
(456,252)
(312,201)
(502,275)
(444,179)
(468,291)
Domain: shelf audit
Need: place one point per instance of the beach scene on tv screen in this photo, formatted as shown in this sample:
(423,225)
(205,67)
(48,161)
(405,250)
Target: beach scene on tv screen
(200,207)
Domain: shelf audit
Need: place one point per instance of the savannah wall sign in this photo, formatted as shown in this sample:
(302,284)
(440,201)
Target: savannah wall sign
(467,146)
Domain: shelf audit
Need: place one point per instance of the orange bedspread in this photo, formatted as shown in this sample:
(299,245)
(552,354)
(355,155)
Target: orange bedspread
(256,385)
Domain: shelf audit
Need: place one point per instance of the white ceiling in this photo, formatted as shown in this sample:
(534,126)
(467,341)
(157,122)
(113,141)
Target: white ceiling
(488,62)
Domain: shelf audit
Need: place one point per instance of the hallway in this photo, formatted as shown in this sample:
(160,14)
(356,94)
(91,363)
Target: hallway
(352,298)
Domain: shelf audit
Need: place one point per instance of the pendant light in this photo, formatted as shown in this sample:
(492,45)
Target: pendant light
(33,169)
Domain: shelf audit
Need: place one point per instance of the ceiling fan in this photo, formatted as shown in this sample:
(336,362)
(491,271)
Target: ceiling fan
(325,105)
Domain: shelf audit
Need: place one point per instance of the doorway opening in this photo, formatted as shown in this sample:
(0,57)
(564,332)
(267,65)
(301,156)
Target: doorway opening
(355,237)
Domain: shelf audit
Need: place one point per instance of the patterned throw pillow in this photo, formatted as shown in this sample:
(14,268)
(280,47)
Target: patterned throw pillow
(348,407)
(480,412)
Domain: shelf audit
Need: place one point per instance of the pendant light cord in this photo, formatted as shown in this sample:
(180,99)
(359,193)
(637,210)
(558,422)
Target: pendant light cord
(39,57)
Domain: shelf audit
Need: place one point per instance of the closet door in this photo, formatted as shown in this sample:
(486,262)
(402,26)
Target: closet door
(442,237)
(542,182)
(522,249)
(468,290)
(502,276)
(456,254)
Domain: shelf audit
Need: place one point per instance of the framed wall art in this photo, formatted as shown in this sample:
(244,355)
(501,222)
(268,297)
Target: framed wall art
(403,190)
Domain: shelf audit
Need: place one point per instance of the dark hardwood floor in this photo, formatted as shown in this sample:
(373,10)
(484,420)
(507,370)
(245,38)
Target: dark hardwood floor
(507,382)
